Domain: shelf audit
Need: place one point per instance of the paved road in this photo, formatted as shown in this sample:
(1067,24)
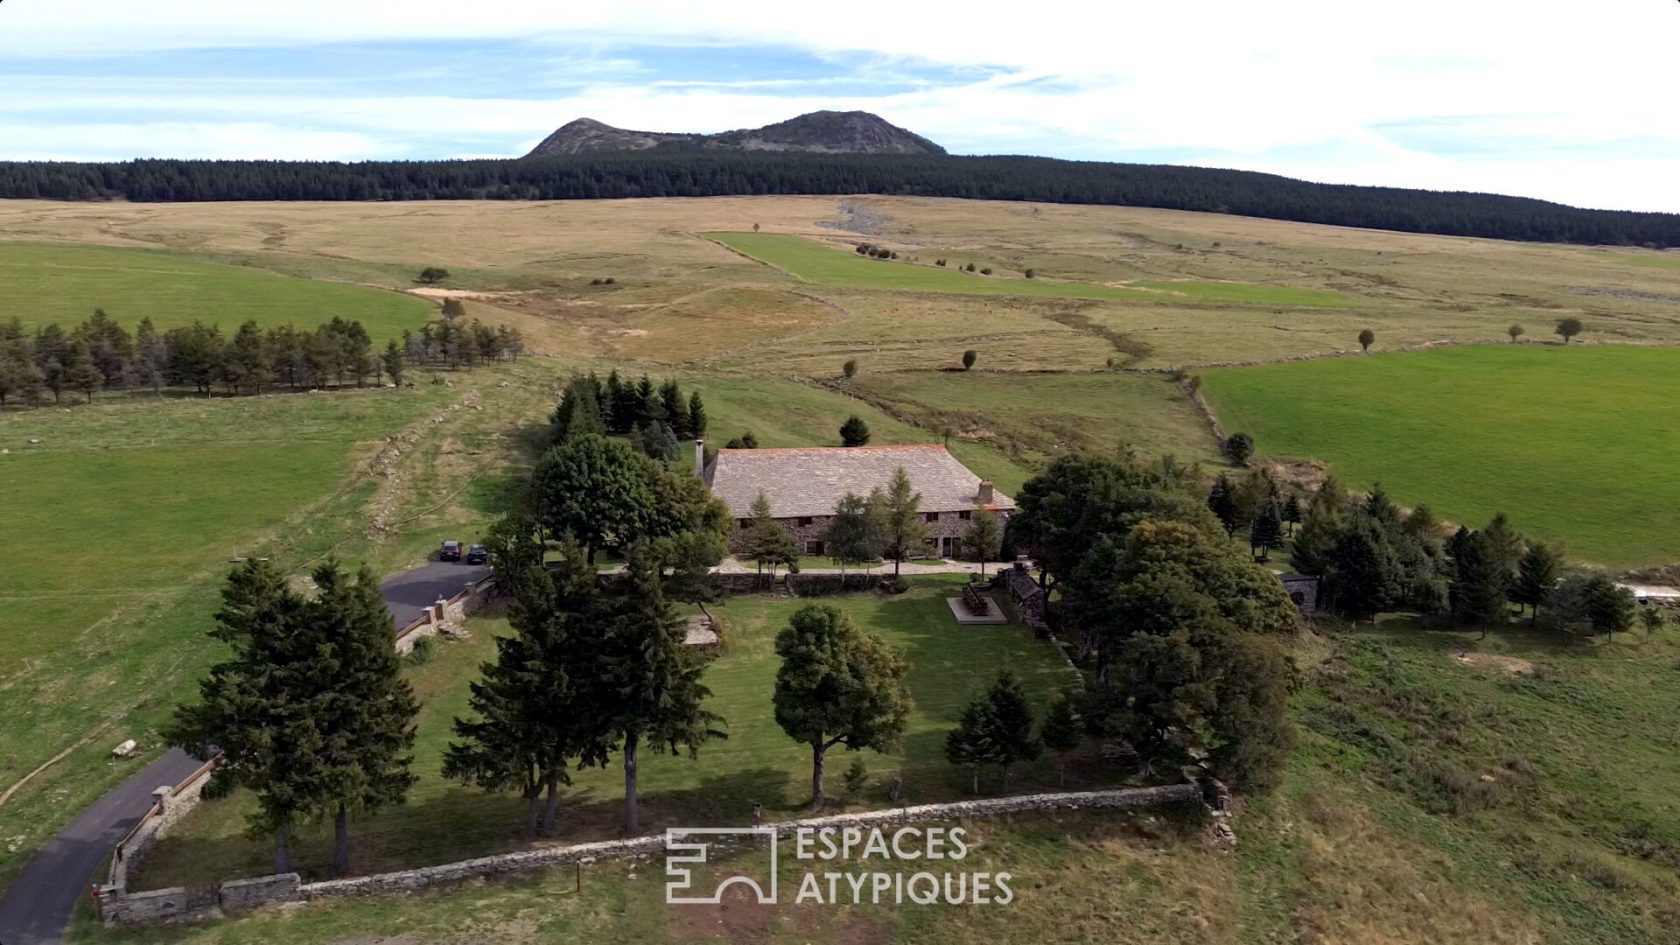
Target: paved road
(414,591)
(35,909)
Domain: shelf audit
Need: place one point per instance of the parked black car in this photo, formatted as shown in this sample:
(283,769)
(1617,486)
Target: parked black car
(478,554)
(451,551)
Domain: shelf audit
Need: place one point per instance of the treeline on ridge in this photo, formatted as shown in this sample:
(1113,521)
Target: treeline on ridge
(708,174)
(100,354)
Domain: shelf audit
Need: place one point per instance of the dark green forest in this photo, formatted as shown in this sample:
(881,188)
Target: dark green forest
(717,173)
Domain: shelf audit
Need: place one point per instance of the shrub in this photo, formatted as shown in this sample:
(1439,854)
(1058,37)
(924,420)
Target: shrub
(968,268)
(432,275)
(850,368)
(823,585)
(854,432)
(422,651)
(608,281)
(856,777)
(1239,447)
(968,358)
(939,262)
(894,585)
(986,271)
(1031,273)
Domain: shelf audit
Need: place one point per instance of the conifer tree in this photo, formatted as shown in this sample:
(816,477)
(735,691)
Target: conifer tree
(969,744)
(649,680)
(767,541)
(851,538)
(1292,512)
(905,530)
(80,373)
(392,362)
(982,537)
(1060,731)
(854,432)
(364,707)
(1222,502)
(1266,534)
(1479,583)
(1537,574)
(675,409)
(696,415)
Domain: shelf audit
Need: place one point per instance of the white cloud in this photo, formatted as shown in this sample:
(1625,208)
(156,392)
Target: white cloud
(1533,98)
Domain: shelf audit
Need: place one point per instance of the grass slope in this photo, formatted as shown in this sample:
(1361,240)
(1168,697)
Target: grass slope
(1572,442)
(50,283)
(757,763)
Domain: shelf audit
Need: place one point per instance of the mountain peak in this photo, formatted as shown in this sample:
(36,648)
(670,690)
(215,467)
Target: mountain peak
(823,132)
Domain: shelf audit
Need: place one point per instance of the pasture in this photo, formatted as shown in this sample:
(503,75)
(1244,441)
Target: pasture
(757,763)
(1571,442)
(42,283)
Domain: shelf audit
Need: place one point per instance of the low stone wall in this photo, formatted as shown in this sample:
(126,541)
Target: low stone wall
(530,860)
(156,823)
(239,895)
(183,903)
(177,903)
(744,583)
(450,613)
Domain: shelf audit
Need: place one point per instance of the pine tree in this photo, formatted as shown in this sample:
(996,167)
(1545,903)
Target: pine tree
(696,415)
(80,373)
(152,355)
(1506,543)
(969,744)
(393,362)
(254,706)
(982,537)
(363,705)
(1266,534)
(579,411)
(905,530)
(1013,737)
(1479,583)
(1315,543)
(1060,731)
(650,684)
(1222,501)
(1537,574)
(767,541)
(850,538)
(1292,512)
(838,686)
(675,409)
(1609,606)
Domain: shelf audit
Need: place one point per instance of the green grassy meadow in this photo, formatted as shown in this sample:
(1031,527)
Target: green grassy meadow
(42,283)
(1573,442)
(757,763)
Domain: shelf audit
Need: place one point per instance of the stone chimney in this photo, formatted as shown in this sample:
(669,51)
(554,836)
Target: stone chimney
(985,492)
(700,458)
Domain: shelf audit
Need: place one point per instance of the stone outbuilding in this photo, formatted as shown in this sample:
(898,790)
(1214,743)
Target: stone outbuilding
(804,484)
(1303,592)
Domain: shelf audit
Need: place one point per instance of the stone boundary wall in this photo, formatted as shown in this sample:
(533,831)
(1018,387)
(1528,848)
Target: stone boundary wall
(192,903)
(449,613)
(529,860)
(165,813)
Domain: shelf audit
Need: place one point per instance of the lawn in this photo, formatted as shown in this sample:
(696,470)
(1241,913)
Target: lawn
(758,763)
(122,518)
(1573,443)
(42,283)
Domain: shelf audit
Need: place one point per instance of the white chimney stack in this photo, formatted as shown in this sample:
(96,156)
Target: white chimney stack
(985,492)
(700,458)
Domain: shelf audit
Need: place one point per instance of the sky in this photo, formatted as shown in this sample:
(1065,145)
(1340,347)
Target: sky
(1567,101)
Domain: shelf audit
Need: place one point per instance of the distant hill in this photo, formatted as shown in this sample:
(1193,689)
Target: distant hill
(817,133)
(704,171)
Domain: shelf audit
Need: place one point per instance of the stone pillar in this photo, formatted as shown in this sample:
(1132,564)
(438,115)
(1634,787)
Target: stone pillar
(161,796)
(700,458)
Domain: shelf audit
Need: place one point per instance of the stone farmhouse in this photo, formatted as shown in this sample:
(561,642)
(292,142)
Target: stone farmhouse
(803,485)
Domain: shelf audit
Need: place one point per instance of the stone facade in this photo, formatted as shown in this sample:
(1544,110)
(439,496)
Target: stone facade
(945,533)
(1303,592)
(238,895)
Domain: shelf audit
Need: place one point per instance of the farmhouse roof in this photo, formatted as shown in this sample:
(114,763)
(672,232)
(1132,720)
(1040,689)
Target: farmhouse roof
(811,481)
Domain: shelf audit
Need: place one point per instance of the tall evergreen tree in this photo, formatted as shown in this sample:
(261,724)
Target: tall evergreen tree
(854,432)
(1060,731)
(1266,534)
(1537,574)
(255,707)
(696,415)
(1222,502)
(675,409)
(906,532)
(1480,580)
(1014,737)
(650,685)
(838,686)
(81,373)
(767,541)
(393,363)
(851,538)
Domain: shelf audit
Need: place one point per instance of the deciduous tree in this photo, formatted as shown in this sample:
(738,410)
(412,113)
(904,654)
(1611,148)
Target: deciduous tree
(837,686)
(1568,328)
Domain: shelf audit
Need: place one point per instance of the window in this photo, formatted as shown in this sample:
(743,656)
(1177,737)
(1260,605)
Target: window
(814,548)
(930,516)
(804,520)
(746,523)
(965,515)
